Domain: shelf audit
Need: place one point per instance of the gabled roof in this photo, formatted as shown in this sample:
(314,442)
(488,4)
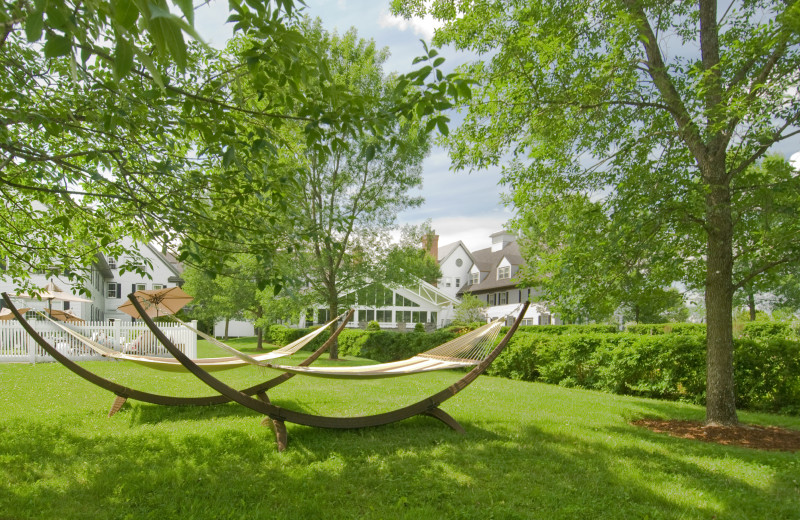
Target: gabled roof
(448,249)
(158,254)
(487,261)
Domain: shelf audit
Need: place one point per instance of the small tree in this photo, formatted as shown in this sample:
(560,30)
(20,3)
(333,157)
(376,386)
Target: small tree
(470,310)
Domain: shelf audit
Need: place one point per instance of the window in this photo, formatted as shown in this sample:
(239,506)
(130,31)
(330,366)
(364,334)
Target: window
(383,316)
(366,315)
(322,316)
(503,298)
(433,316)
(504,272)
(138,287)
(112,263)
(474,278)
(458,282)
(544,319)
(114,290)
(402,301)
(159,286)
(459,262)
(404,316)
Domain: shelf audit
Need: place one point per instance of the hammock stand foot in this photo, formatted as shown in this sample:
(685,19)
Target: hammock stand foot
(446,418)
(279,428)
(117,404)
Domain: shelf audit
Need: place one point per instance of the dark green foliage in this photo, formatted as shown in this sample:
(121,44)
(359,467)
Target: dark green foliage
(419,327)
(768,374)
(565,329)
(665,364)
(668,328)
(281,335)
(373,326)
(769,329)
(386,346)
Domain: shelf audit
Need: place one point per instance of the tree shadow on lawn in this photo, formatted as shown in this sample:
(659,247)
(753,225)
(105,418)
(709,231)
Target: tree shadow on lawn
(414,469)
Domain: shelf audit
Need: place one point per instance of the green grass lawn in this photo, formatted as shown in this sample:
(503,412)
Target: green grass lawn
(530,451)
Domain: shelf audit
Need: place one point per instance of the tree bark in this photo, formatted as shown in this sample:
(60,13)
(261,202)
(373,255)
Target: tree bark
(720,393)
(751,303)
(227,321)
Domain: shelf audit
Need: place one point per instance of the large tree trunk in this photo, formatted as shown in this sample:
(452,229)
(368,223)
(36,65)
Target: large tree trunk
(751,303)
(720,394)
(227,322)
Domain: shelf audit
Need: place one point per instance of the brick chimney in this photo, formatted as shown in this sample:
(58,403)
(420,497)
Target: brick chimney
(430,242)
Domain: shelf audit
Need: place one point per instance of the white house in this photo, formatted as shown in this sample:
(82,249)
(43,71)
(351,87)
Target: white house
(490,274)
(108,287)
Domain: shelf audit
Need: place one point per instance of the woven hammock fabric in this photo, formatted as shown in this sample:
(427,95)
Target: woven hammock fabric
(168,364)
(464,351)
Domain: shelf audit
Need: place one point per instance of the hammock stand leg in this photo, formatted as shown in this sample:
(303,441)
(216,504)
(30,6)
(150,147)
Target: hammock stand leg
(117,404)
(279,429)
(438,413)
(263,396)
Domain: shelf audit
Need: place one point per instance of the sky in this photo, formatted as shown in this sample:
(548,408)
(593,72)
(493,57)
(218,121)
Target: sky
(461,205)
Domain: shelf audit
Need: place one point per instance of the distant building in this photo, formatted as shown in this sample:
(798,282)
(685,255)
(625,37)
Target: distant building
(490,274)
(108,287)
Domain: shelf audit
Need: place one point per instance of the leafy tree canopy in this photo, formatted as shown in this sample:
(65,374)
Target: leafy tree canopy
(116,124)
(657,111)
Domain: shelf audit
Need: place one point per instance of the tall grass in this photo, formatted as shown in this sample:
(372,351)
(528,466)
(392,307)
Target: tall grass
(530,451)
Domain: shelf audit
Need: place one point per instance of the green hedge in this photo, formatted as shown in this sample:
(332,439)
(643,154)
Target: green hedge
(665,366)
(768,329)
(281,335)
(667,328)
(667,363)
(386,346)
(559,330)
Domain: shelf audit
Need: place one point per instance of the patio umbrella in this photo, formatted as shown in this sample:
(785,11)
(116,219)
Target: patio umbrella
(158,302)
(64,316)
(6,314)
(53,292)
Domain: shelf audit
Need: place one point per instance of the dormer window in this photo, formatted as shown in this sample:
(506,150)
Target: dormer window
(474,278)
(504,272)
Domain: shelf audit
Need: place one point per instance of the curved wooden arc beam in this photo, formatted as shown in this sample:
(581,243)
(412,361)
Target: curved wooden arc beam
(279,414)
(124,392)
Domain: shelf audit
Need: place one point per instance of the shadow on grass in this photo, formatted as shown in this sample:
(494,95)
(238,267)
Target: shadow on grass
(417,468)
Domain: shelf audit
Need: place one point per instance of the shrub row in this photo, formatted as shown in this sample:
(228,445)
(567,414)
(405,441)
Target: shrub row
(386,345)
(281,335)
(666,362)
(665,366)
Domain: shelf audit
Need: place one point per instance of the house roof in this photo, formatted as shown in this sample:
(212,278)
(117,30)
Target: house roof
(172,267)
(487,261)
(448,249)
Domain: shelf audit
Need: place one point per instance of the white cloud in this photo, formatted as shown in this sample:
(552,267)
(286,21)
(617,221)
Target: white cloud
(424,27)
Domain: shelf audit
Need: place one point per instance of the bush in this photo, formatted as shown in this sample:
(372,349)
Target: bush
(559,330)
(764,330)
(767,374)
(373,325)
(384,346)
(668,328)
(281,335)
(419,327)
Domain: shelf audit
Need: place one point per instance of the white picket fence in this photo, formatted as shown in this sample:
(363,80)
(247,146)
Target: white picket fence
(16,345)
